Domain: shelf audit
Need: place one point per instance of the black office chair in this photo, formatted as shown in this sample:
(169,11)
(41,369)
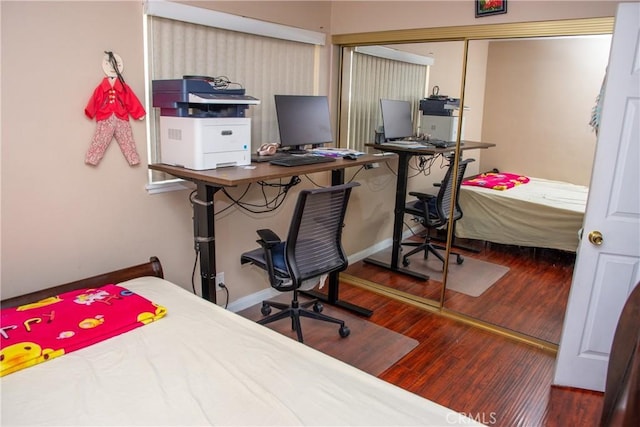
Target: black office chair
(433,212)
(313,248)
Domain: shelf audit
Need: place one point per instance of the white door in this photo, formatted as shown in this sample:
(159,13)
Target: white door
(605,274)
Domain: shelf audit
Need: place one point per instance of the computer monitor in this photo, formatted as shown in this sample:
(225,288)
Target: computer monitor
(303,120)
(396,119)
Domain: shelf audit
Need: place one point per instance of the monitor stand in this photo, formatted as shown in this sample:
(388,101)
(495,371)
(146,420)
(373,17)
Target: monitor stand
(298,149)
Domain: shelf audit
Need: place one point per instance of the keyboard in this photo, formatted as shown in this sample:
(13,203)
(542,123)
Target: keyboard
(439,143)
(301,160)
(403,142)
(407,144)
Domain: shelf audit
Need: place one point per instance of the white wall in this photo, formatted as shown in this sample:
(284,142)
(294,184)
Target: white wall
(541,127)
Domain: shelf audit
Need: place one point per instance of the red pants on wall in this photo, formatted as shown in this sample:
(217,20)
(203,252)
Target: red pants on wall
(106,130)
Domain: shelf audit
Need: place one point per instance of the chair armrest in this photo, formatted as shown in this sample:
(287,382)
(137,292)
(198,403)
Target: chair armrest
(268,240)
(268,237)
(422,196)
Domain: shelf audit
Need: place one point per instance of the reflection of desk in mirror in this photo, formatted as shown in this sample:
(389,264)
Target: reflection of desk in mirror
(404,156)
(210,181)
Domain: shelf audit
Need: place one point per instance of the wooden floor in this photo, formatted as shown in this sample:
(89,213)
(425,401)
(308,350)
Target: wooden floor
(530,299)
(492,379)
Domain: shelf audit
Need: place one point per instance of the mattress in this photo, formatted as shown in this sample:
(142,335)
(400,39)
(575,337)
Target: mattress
(541,213)
(203,365)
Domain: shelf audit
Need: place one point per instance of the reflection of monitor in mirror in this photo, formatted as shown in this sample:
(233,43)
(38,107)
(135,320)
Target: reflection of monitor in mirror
(396,119)
(303,120)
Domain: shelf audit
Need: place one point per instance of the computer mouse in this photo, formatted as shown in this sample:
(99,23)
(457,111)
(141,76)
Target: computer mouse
(350,157)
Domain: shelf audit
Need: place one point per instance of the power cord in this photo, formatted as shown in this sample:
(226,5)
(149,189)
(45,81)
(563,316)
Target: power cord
(195,263)
(350,180)
(193,274)
(268,205)
(226,292)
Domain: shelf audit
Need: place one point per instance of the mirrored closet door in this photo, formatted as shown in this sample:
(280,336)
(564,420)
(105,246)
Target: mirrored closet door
(532,93)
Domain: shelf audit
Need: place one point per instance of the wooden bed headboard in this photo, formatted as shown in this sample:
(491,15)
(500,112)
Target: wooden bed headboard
(151,268)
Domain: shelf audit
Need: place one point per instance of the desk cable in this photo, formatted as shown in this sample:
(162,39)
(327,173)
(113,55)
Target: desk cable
(268,205)
(424,164)
(350,180)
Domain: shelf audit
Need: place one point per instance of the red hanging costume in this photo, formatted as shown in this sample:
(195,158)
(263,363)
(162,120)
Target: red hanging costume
(111,104)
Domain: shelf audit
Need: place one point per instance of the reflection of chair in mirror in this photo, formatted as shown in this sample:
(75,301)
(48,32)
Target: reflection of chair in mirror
(432,211)
(313,249)
(621,405)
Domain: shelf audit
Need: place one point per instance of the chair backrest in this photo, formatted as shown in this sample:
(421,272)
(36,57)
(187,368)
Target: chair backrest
(621,405)
(314,243)
(445,195)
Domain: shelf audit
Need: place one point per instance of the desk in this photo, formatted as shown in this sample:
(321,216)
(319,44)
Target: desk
(404,156)
(209,182)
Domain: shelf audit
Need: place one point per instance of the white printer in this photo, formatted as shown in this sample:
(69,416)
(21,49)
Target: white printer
(205,143)
(202,127)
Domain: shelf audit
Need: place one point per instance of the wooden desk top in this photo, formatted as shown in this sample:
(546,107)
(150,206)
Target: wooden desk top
(467,145)
(237,175)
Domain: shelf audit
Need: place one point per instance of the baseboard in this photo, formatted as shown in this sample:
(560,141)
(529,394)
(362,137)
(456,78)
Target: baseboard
(252,299)
(359,256)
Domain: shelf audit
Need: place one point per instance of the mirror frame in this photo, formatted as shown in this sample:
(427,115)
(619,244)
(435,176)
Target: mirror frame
(566,27)
(466,33)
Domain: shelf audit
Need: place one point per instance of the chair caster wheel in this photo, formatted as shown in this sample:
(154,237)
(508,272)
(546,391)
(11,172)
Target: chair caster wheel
(318,307)
(344,331)
(265,310)
(405,262)
(459,260)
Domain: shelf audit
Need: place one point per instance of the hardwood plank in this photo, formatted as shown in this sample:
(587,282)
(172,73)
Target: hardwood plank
(493,379)
(530,299)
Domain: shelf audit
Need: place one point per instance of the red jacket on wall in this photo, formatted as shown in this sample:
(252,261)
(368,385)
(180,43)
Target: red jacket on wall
(118,99)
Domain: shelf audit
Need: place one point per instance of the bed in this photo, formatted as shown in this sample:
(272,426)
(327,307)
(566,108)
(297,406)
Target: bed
(200,365)
(541,214)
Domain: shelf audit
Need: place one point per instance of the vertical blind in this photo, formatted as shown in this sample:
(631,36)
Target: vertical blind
(263,66)
(373,78)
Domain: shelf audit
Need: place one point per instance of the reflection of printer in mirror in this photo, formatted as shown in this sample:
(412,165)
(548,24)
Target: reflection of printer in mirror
(202,127)
(437,119)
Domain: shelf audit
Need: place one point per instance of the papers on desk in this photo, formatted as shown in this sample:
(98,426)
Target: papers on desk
(336,152)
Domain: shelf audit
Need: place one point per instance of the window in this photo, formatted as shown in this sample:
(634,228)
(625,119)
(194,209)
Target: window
(264,65)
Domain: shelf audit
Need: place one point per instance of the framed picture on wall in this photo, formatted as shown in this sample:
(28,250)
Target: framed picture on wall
(490,7)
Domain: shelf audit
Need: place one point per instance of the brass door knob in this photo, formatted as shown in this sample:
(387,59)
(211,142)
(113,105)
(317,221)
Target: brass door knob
(596,238)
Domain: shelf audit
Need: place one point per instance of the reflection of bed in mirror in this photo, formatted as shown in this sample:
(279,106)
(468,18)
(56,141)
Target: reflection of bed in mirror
(198,365)
(541,214)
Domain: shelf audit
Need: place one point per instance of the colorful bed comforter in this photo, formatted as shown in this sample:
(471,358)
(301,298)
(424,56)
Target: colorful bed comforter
(496,180)
(37,332)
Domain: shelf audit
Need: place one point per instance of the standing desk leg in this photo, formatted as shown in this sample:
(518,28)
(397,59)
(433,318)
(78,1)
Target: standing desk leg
(204,235)
(337,178)
(398,220)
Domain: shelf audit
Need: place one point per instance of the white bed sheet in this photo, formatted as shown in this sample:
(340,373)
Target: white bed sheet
(203,365)
(541,213)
